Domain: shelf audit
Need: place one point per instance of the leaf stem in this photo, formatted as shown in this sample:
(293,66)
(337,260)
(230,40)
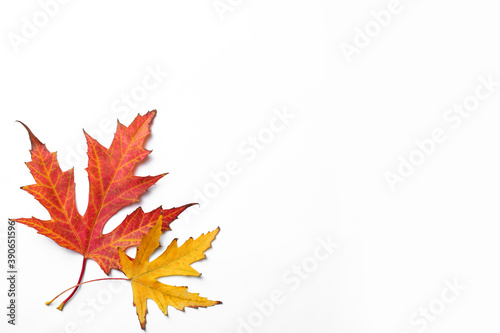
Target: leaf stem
(61,306)
(76,287)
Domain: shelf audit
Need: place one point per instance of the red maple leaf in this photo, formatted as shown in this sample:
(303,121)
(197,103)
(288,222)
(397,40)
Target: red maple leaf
(112,187)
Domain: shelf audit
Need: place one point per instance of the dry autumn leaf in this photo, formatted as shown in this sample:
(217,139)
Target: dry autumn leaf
(175,260)
(112,186)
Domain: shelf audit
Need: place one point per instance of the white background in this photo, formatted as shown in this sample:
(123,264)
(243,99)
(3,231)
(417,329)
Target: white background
(322,177)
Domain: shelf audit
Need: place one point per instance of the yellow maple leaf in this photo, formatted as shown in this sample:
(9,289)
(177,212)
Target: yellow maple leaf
(175,260)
